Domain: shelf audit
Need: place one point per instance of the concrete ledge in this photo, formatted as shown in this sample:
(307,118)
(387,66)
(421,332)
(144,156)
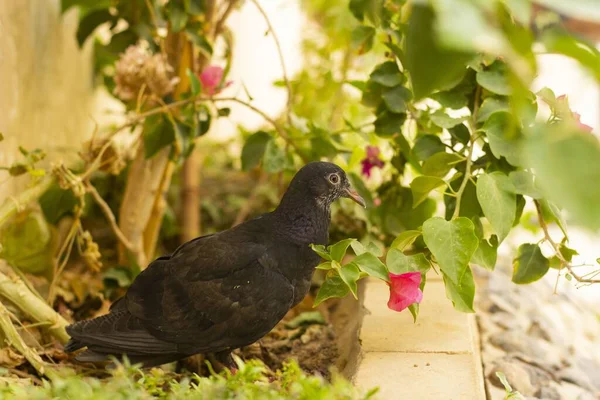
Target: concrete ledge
(436,358)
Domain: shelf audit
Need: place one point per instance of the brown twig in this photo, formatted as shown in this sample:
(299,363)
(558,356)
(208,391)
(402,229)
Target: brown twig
(111,218)
(556,247)
(281,60)
(220,25)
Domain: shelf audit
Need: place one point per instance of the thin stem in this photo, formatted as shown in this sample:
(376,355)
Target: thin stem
(469,155)
(111,218)
(281,60)
(220,25)
(556,247)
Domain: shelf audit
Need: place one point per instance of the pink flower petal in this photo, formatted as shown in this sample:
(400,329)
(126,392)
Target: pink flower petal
(372,152)
(211,78)
(404,290)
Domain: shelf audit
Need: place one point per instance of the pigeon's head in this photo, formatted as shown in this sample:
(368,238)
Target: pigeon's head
(326,182)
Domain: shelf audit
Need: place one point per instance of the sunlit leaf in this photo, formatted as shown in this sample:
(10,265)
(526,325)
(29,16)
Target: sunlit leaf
(399,263)
(499,129)
(322,251)
(350,274)
(530,265)
(462,293)
(495,79)
(338,250)
(487,253)
(496,194)
(372,265)
(405,239)
(524,182)
(333,286)
(362,38)
(421,186)
(452,243)
(440,164)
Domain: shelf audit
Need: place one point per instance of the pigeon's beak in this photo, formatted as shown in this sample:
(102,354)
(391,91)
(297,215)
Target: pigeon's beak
(353,194)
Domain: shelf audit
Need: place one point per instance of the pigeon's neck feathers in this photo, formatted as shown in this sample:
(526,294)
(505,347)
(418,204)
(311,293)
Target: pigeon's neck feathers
(303,217)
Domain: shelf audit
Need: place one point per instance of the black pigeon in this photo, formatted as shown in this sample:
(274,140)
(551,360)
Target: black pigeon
(220,292)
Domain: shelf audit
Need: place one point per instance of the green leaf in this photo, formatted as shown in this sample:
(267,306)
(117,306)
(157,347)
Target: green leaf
(426,146)
(460,133)
(358,247)
(462,293)
(320,250)
(496,194)
(553,214)
(396,98)
(422,185)
(567,170)
(440,164)
(274,158)
(362,38)
(524,182)
(195,83)
(305,319)
(194,32)
(350,274)
(500,128)
(399,263)
(387,74)
(388,123)
(326,266)
(89,23)
(365,8)
(405,239)
(374,249)
(56,202)
(491,105)
(530,265)
(495,79)
(424,55)
(487,253)
(452,243)
(158,133)
(559,41)
(254,149)
(369,263)
(178,18)
(122,276)
(338,250)
(333,286)
(443,120)
(26,243)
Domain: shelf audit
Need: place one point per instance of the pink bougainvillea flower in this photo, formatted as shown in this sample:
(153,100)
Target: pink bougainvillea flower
(371,160)
(404,290)
(212,80)
(581,125)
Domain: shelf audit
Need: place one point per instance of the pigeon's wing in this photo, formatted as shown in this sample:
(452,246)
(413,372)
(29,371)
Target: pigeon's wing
(215,292)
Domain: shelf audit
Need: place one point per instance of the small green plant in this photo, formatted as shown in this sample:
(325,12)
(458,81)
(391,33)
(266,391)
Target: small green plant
(252,381)
(510,393)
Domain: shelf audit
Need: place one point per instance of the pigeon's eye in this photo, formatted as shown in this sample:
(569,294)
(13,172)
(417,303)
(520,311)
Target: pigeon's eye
(334,178)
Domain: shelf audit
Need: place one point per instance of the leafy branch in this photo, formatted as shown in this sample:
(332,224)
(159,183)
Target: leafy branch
(556,247)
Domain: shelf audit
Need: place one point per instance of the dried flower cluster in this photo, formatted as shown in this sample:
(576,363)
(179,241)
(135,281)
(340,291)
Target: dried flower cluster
(89,251)
(138,70)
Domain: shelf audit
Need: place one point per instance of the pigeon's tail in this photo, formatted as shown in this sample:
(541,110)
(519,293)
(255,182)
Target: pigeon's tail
(119,334)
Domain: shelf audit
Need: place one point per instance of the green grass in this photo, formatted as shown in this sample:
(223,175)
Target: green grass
(252,381)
